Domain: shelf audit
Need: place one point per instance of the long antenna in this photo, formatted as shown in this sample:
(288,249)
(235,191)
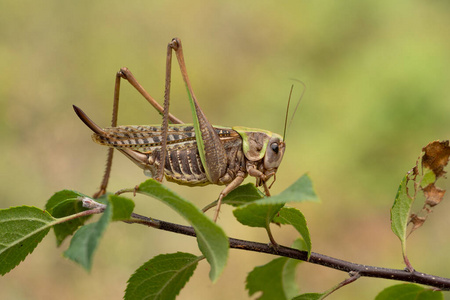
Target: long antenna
(287,113)
(286,126)
(298,103)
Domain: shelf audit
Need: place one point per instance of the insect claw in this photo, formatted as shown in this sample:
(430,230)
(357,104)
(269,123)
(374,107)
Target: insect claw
(266,190)
(216,214)
(274,179)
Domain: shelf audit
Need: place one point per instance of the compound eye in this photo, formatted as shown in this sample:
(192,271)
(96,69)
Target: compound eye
(274,147)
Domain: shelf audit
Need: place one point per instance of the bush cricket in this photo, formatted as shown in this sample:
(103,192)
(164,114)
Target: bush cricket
(188,154)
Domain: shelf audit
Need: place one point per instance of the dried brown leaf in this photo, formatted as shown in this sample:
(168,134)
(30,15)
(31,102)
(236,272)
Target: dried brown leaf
(418,180)
(433,195)
(416,221)
(415,170)
(436,157)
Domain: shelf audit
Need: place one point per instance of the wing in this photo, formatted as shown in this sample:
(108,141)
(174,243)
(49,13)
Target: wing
(147,138)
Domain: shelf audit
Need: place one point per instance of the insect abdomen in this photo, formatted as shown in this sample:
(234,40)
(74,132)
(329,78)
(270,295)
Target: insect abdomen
(183,166)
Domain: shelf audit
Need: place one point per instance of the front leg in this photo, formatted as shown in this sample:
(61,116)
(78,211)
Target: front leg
(261,178)
(254,172)
(234,184)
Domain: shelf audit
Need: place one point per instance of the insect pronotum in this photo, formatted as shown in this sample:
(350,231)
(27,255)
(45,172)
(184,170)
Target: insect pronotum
(188,154)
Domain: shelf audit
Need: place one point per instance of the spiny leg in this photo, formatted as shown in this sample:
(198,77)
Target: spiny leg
(211,150)
(266,189)
(269,232)
(165,122)
(106,175)
(231,186)
(126,74)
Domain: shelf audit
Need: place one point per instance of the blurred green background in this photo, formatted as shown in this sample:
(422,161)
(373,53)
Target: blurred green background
(377,76)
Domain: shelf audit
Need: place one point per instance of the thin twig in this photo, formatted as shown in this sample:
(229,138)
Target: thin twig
(353,277)
(315,258)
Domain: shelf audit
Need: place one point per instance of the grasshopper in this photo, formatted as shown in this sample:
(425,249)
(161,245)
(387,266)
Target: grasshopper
(189,154)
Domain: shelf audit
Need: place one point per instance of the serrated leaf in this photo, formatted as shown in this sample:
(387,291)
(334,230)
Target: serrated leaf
(269,279)
(65,203)
(308,296)
(86,239)
(400,212)
(211,239)
(122,207)
(21,230)
(409,292)
(276,279)
(260,213)
(294,217)
(301,190)
(162,277)
(256,215)
(242,195)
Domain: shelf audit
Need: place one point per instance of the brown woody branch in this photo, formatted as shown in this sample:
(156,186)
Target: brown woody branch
(315,258)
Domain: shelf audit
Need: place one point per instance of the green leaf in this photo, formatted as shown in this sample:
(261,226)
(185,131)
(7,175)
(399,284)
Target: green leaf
(21,230)
(428,177)
(86,239)
(400,212)
(162,277)
(243,194)
(276,279)
(211,239)
(294,217)
(255,215)
(309,296)
(260,213)
(270,280)
(122,207)
(300,191)
(65,203)
(409,292)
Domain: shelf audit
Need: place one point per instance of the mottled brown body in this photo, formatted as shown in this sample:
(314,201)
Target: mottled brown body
(182,162)
(196,154)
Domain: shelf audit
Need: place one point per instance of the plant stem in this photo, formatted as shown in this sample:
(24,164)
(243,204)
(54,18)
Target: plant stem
(315,258)
(83,213)
(352,278)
